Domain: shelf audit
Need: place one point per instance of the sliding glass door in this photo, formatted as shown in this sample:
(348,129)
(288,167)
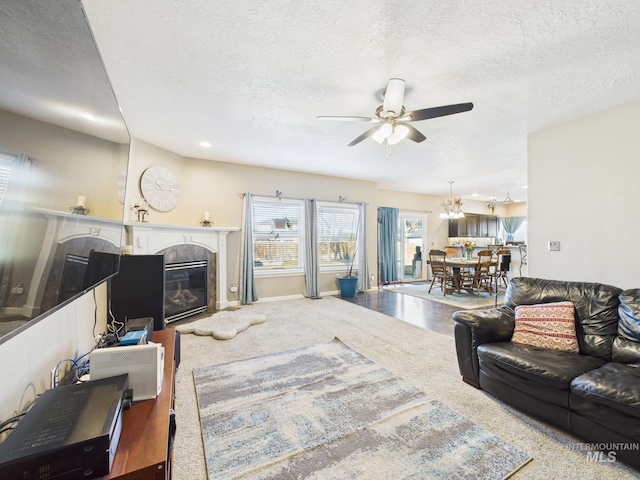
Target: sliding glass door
(411,246)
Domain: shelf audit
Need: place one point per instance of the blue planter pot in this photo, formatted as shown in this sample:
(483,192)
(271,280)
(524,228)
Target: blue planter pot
(348,286)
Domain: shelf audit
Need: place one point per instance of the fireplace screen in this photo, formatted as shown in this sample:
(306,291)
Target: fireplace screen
(185,290)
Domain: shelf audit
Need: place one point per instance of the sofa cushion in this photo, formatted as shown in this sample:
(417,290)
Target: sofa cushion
(616,385)
(549,368)
(596,308)
(546,325)
(626,346)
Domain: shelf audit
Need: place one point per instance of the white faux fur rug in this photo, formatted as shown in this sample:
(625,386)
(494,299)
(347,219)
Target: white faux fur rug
(223,325)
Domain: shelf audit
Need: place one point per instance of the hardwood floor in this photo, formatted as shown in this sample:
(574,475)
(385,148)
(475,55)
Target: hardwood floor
(416,311)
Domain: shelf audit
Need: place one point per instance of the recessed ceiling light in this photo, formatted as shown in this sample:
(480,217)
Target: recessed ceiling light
(525,186)
(205,144)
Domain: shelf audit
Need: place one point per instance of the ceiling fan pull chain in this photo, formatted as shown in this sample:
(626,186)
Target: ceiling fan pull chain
(388,151)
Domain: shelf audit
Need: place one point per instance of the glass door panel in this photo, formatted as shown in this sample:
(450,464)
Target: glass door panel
(411,242)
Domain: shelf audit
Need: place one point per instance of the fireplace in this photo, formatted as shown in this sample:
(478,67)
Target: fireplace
(186,289)
(183,244)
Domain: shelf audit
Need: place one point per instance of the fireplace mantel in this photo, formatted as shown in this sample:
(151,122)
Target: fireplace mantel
(150,238)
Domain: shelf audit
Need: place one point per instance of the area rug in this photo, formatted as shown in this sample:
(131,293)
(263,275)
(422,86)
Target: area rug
(223,325)
(464,300)
(326,412)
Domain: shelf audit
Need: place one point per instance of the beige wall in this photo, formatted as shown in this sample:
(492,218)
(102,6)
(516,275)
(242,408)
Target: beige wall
(583,192)
(217,187)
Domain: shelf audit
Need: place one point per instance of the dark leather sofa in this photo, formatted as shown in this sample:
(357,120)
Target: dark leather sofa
(594,394)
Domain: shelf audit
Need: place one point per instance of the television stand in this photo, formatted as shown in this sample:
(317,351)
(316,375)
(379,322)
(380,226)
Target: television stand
(144,451)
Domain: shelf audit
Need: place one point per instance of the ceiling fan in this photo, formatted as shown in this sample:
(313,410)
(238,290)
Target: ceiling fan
(394,121)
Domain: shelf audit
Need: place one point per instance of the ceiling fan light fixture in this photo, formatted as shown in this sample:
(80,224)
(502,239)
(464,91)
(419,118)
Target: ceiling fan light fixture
(383,133)
(378,136)
(399,132)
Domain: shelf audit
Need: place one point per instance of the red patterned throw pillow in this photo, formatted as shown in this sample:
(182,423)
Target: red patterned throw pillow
(547,325)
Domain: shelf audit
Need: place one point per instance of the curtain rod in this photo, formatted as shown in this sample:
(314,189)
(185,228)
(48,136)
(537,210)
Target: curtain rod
(401,210)
(280,197)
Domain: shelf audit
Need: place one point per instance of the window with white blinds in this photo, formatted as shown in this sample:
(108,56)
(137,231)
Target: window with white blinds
(5,171)
(278,232)
(337,235)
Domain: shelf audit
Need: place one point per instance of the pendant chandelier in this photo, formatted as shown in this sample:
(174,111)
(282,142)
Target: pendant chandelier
(453,205)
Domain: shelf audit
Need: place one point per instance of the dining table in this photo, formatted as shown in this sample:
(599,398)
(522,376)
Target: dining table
(456,263)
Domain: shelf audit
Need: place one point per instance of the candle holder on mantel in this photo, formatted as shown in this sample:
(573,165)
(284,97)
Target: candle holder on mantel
(142,214)
(206,222)
(139,212)
(79,210)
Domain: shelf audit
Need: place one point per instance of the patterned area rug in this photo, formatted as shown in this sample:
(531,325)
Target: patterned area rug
(327,412)
(463,300)
(223,325)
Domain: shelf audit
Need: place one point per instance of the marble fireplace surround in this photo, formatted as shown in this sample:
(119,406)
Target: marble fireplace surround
(179,243)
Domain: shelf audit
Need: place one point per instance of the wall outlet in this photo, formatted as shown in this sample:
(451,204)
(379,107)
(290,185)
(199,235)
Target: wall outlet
(554,246)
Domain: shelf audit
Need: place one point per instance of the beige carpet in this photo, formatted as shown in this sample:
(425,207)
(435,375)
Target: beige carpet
(424,359)
(463,300)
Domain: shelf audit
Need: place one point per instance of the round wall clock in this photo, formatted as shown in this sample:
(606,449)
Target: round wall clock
(160,188)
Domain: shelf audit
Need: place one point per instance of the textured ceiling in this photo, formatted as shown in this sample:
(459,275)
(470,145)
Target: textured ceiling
(251,77)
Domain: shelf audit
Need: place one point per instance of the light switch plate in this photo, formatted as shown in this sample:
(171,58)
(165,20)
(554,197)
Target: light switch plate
(554,246)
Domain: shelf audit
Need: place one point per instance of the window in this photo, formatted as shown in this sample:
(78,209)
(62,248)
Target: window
(519,235)
(5,171)
(337,235)
(278,230)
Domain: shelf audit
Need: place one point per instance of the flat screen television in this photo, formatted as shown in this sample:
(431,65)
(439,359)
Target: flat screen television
(64,151)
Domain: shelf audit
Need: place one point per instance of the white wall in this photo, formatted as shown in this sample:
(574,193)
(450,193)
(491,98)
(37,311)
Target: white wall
(583,192)
(29,357)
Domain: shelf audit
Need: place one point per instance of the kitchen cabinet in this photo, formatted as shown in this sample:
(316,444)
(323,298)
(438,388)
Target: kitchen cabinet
(474,225)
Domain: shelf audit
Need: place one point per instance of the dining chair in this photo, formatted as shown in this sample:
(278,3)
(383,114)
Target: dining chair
(494,247)
(452,252)
(479,276)
(523,256)
(502,267)
(440,271)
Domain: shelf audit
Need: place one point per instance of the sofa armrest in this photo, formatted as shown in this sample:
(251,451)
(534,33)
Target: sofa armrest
(475,327)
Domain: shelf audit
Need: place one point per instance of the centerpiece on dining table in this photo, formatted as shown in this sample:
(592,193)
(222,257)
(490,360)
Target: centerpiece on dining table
(468,247)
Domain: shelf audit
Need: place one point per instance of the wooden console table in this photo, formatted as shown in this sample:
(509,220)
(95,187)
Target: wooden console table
(143,450)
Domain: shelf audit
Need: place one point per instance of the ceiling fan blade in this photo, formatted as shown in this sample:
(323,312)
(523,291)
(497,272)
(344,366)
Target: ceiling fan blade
(394,96)
(434,112)
(348,119)
(414,134)
(364,136)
